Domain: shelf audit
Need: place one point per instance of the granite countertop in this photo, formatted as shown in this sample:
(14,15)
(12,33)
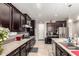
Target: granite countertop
(61,40)
(9,47)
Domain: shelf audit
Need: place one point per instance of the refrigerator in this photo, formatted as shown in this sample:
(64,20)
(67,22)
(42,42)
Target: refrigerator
(62,31)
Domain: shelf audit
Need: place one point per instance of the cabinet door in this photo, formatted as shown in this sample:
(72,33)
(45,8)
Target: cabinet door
(58,52)
(32,30)
(5,15)
(22,23)
(61,52)
(28,20)
(23,50)
(16,20)
(27,47)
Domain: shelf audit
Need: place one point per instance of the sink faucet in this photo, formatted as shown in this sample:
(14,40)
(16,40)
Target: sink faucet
(69,40)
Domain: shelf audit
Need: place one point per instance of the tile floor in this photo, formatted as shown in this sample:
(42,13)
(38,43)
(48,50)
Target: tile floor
(43,49)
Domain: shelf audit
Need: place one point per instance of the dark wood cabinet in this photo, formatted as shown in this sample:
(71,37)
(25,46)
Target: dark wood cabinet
(5,15)
(52,27)
(16,52)
(61,23)
(16,21)
(60,51)
(31,23)
(11,17)
(22,22)
(27,47)
(32,30)
(24,49)
(32,42)
(27,19)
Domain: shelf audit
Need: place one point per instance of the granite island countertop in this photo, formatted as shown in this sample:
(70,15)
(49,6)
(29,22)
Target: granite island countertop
(9,47)
(59,41)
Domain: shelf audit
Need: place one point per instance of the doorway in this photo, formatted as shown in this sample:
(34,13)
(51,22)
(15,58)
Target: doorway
(41,31)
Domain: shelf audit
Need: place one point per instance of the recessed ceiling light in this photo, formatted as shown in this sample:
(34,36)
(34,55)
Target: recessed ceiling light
(38,5)
(69,20)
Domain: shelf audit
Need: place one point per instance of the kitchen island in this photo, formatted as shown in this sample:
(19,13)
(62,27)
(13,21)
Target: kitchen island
(18,48)
(61,48)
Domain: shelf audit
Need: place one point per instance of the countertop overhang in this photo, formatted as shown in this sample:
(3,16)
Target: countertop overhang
(9,47)
(58,41)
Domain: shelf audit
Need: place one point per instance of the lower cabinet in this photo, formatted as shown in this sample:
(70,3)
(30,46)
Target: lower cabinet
(24,49)
(27,47)
(15,52)
(32,42)
(60,51)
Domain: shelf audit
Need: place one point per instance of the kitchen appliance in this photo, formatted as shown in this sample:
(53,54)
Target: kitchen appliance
(26,34)
(62,31)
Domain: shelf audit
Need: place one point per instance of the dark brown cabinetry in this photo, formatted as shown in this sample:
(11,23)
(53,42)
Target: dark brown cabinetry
(5,14)
(52,27)
(32,30)
(15,52)
(24,49)
(27,19)
(16,21)
(22,22)
(60,51)
(53,30)
(30,23)
(12,18)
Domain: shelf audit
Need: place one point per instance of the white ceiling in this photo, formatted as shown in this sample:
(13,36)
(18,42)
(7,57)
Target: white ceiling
(48,11)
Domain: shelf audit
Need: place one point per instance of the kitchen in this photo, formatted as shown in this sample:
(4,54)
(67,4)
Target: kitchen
(27,30)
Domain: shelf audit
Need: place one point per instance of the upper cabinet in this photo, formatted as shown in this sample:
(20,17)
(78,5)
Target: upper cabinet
(12,18)
(27,19)
(16,20)
(22,20)
(5,15)
(53,27)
